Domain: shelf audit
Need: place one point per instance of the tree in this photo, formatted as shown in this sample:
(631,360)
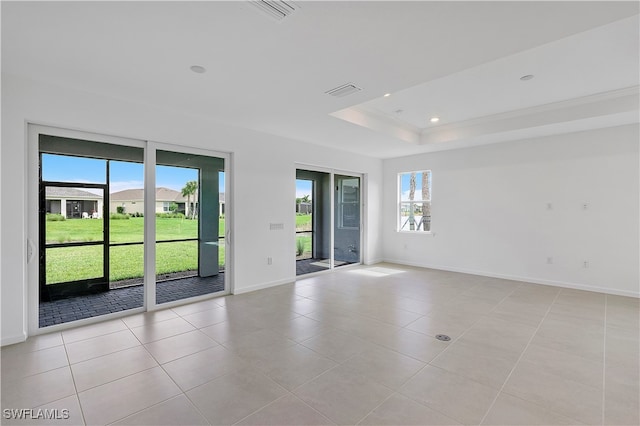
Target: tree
(305,199)
(412,194)
(426,205)
(190,189)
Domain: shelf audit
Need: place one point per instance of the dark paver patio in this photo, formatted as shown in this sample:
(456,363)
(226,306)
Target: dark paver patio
(122,299)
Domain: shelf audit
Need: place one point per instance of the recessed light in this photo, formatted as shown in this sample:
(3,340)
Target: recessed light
(434,119)
(386,95)
(198,69)
(526,77)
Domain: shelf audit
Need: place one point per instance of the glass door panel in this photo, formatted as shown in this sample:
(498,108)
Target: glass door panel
(346,220)
(313,221)
(189,225)
(126,225)
(304,219)
(87,246)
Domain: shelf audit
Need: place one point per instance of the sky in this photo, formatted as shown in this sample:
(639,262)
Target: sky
(405,178)
(124,175)
(304,187)
(127,175)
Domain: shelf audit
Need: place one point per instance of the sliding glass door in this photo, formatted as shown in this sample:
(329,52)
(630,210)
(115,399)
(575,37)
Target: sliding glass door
(87,245)
(190,225)
(122,227)
(346,224)
(328,221)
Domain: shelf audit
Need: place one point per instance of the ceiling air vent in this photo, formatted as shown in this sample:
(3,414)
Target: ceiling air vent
(276,9)
(344,90)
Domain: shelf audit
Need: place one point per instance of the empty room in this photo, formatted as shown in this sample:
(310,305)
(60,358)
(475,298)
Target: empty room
(320,213)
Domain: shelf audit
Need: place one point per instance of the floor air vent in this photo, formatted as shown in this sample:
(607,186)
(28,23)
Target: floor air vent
(344,90)
(275,9)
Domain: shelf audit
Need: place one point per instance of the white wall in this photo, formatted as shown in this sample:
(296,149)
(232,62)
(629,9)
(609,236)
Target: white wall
(263,178)
(490,210)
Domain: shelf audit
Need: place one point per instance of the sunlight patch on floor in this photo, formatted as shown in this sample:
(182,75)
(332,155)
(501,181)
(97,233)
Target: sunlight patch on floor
(376,271)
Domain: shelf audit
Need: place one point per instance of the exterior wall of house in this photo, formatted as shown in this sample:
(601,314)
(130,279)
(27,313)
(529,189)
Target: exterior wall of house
(88,206)
(130,207)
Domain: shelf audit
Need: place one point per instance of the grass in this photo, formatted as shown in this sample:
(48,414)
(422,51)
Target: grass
(303,222)
(122,231)
(303,241)
(305,244)
(76,263)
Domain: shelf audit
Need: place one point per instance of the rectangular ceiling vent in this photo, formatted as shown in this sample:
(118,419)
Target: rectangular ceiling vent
(275,9)
(344,90)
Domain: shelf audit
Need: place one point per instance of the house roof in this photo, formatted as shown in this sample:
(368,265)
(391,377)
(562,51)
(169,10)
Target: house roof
(62,192)
(162,194)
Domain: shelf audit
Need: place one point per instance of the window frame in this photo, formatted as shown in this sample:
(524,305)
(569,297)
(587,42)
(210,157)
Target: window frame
(341,203)
(412,203)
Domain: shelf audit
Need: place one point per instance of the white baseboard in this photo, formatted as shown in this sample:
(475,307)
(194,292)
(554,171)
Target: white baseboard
(373,261)
(263,286)
(11,340)
(553,283)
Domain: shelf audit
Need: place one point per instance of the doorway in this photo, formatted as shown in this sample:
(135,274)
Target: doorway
(116,234)
(190,230)
(328,220)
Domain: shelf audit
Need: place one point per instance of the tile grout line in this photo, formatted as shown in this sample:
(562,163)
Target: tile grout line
(376,407)
(73,378)
(182,392)
(520,357)
(481,316)
(261,408)
(129,375)
(428,364)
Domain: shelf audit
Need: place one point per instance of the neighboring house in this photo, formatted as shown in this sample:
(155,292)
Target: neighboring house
(304,208)
(132,200)
(73,203)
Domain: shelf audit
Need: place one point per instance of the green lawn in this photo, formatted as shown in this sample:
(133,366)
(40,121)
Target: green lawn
(303,223)
(122,231)
(75,263)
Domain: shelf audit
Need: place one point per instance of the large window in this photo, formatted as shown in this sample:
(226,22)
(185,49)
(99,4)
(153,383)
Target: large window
(414,201)
(96,203)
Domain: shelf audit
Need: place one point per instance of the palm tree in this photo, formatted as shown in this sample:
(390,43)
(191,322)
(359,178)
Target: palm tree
(412,193)
(189,189)
(426,206)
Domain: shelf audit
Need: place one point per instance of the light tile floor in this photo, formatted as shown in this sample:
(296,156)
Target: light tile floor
(355,346)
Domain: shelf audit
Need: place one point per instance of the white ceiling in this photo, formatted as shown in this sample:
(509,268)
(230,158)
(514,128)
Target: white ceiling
(457,60)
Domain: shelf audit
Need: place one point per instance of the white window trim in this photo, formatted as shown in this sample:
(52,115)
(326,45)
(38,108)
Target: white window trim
(400,201)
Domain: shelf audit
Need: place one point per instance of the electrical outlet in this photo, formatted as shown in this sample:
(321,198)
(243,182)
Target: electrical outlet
(585,264)
(549,260)
(269,260)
